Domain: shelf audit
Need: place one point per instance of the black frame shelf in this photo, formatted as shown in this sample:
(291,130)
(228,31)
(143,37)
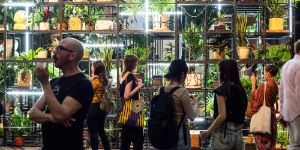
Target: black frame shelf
(156,40)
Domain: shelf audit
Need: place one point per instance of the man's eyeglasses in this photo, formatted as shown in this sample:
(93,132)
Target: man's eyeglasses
(61,48)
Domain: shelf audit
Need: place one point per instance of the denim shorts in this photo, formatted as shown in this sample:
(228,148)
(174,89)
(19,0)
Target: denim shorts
(233,139)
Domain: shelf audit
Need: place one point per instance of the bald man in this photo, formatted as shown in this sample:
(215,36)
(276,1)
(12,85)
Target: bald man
(64,105)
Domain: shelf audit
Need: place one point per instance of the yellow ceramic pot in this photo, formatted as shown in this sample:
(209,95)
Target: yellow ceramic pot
(74,23)
(276,23)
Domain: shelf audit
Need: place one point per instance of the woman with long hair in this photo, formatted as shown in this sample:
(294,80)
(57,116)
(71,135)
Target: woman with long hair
(183,108)
(96,116)
(266,141)
(229,109)
(132,125)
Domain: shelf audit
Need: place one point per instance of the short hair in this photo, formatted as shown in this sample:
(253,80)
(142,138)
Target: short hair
(75,45)
(176,68)
(297,47)
(272,69)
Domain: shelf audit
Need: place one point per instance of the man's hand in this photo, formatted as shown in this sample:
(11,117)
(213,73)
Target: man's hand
(42,75)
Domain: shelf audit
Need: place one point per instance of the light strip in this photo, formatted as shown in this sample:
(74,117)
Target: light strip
(24,93)
(291,16)
(146,16)
(18,4)
(151,13)
(103,45)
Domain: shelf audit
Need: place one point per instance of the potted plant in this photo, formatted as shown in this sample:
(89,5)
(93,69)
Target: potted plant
(219,22)
(241,27)
(278,53)
(86,53)
(213,76)
(44,25)
(193,41)
(106,57)
(75,14)
(276,12)
(161,21)
(35,19)
(193,78)
(169,54)
(57,19)
(20,125)
(42,53)
(218,45)
(24,69)
(91,19)
(282,137)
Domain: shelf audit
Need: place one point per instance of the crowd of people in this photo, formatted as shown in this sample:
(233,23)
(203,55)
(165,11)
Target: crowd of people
(71,99)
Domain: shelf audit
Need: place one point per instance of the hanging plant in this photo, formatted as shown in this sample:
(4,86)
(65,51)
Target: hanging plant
(133,6)
(161,6)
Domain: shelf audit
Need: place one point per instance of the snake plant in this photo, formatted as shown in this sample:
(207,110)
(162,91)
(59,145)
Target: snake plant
(241,27)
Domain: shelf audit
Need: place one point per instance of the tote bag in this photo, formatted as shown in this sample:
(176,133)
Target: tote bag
(131,113)
(261,120)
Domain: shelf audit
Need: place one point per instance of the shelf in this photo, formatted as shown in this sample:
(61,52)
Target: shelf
(76,3)
(133,32)
(47,4)
(188,3)
(113,3)
(32,31)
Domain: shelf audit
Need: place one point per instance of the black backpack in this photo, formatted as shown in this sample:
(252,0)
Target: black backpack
(162,126)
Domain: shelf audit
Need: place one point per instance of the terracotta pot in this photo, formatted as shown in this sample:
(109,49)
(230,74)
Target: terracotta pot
(19,141)
(42,54)
(195,140)
(86,55)
(219,55)
(193,80)
(74,23)
(89,26)
(24,78)
(276,23)
(249,139)
(244,52)
(64,26)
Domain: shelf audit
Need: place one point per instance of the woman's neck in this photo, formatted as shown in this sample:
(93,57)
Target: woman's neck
(173,83)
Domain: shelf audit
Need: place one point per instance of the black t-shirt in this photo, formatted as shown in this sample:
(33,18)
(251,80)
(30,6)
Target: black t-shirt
(57,136)
(236,102)
(129,78)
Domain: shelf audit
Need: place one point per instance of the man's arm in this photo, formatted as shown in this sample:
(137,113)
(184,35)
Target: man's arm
(36,113)
(60,112)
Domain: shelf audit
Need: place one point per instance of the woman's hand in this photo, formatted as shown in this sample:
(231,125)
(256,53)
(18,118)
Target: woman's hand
(204,134)
(140,83)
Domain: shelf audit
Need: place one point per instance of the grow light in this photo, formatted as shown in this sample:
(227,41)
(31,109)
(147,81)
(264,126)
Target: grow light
(103,45)
(152,13)
(24,93)
(10,4)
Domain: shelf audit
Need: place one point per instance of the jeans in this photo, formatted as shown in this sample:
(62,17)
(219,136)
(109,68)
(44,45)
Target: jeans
(232,141)
(181,145)
(95,121)
(134,135)
(294,134)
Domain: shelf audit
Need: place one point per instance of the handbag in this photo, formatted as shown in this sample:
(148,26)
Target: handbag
(107,100)
(132,113)
(261,120)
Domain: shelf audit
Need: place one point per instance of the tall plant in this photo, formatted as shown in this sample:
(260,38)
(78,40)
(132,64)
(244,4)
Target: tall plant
(106,57)
(241,27)
(275,8)
(193,41)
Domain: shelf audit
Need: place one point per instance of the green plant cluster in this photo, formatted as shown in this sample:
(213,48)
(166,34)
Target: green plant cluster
(169,55)
(194,42)
(74,11)
(133,6)
(209,103)
(20,123)
(282,136)
(246,82)
(278,53)
(275,8)
(106,57)
(212,75)
(161,6)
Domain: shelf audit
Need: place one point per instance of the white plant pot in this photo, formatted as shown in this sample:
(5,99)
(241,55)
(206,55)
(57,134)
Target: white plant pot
(243,52)
(36,27)
(53,1)
(44,26)
(104,25)
(156,21)
(42,54)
